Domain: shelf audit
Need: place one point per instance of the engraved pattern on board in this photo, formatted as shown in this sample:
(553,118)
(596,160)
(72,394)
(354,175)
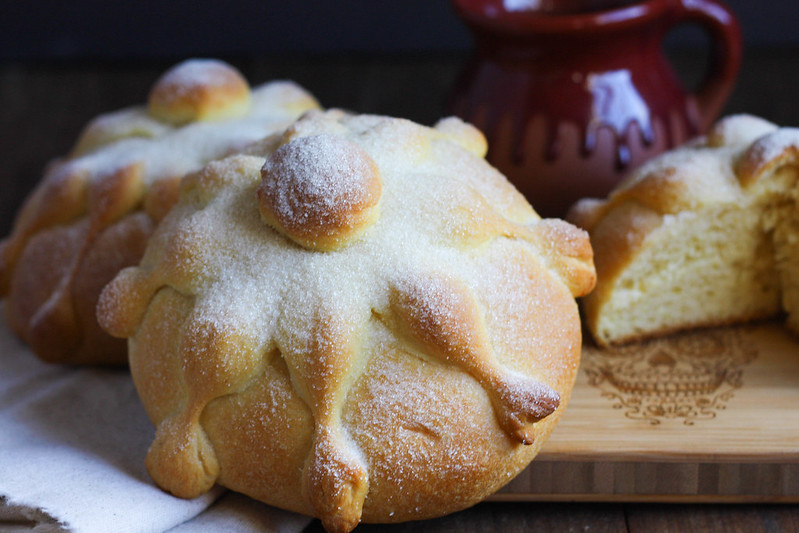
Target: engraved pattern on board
(686,377)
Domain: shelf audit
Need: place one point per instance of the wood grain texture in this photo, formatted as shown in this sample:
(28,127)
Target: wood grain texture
(511,517)
(711,518)
(709,416)
(518,517)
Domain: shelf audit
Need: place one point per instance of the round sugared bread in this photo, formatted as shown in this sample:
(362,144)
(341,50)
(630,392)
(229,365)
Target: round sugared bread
(364,322)
(93,211)
(706,234)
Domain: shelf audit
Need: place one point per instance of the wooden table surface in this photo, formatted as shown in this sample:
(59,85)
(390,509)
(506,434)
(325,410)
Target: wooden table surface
(44,105)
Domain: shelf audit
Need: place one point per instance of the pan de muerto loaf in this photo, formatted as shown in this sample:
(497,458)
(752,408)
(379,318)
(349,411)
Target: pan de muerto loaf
(93,211)
(706,234)
(366,322)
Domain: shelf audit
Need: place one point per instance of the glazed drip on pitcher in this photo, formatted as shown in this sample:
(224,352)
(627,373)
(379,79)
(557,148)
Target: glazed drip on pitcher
(607,100)
(615,105)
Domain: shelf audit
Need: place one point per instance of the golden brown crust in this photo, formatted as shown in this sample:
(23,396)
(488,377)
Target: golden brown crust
(767,154)
(118,246)
(586,212)
(730,166)
(61,198)
(47,257)
(568,251)
(161,196)
(464,134)
(199,90)
(324,202)
(116,126)
(403,376)
(125,163)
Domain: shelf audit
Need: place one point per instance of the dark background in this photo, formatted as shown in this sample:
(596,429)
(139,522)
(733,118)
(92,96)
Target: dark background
(102,29)
(63,62)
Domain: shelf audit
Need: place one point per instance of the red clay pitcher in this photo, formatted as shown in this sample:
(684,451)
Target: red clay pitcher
(572,94)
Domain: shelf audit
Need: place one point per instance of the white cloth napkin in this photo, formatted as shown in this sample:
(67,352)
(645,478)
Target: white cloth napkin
(72,448)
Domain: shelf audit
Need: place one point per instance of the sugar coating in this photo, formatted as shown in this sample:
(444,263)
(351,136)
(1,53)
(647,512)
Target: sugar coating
(175,151)
(319,187)
(198,72)
(126,162)
(776,147)
(317,168)
(199,89)
(738,129)
(452,274)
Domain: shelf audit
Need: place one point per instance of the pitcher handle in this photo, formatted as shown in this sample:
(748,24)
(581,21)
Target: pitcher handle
(726,44)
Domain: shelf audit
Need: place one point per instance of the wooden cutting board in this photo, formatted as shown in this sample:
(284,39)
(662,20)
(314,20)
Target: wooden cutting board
(708,416)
